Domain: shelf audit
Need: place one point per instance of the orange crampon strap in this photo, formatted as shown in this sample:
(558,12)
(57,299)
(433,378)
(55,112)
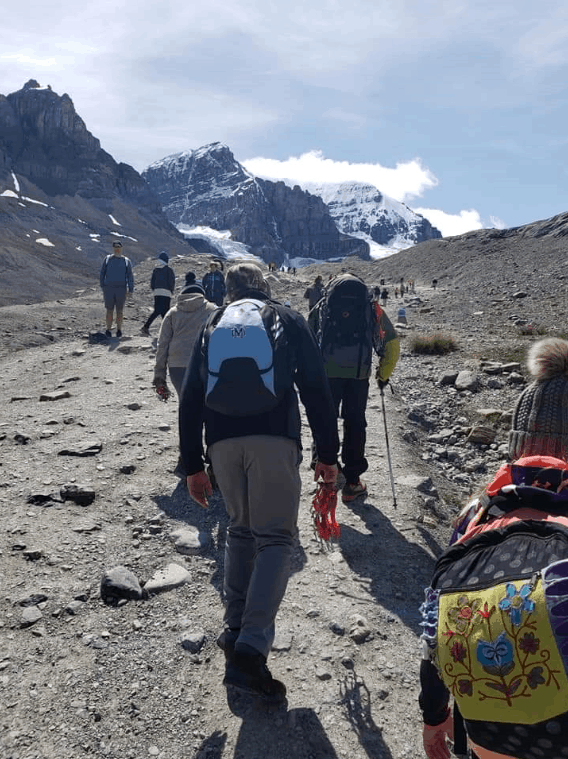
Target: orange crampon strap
(324,505)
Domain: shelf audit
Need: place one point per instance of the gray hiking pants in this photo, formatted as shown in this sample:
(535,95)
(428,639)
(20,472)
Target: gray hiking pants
(259,479)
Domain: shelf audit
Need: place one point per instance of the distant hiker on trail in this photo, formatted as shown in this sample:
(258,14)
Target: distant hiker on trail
(434,283)
(252,432)
(496,612)
(384,296)
(350,327)
(115,279)
(314,294)
(162,284)
(214,284)
(396,292)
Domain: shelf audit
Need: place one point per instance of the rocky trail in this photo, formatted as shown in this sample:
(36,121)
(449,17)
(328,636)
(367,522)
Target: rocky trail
(87,453)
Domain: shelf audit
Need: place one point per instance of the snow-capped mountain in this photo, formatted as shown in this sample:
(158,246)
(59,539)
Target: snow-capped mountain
(363,211)
(207,187)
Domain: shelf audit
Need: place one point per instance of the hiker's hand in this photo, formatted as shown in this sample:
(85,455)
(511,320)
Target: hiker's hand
(382,383)
(163,391)
(199,487)
(327,472)
(434,737)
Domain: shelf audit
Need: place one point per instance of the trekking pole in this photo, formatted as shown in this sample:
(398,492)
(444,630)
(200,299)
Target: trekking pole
(388,447)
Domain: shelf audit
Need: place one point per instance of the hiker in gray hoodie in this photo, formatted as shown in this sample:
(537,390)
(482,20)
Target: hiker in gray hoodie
(178,332)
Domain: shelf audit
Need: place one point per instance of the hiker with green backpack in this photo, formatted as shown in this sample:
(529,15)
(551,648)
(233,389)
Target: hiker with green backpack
(350,327)
(495,617)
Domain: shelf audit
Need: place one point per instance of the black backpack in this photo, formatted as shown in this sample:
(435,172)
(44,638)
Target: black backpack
(248,367)
(346,327)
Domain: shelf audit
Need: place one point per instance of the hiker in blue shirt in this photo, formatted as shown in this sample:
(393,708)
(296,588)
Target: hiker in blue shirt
(115,279)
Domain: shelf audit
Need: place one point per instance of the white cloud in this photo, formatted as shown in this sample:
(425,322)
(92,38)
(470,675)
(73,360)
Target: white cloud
(452,224)
(26,60)
(407,180)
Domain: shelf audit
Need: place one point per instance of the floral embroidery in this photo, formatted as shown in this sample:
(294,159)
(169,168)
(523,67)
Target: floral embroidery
(515,602)
(529,644)
(504,660)
(465,687)
(496,656)
(458,651)
(462,614)
(486,612)
(535,678)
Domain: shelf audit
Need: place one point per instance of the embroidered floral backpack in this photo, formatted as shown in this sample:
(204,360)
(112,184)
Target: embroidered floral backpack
(496,614)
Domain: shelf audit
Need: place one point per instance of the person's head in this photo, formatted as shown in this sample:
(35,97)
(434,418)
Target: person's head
(244,277)
(213,266)
(318,280)
(193,288)
(164,257)
(540,419)
(117,248)
(190,278)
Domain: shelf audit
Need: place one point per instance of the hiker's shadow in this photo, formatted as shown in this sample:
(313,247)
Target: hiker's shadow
(356,700)
(212,523)
(274,732)
(399,570)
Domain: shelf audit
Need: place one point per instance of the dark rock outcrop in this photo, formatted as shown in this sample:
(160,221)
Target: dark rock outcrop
(43,138)
(63,200)
(208,187)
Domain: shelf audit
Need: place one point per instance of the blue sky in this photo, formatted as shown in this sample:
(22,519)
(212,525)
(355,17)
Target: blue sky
(458,108)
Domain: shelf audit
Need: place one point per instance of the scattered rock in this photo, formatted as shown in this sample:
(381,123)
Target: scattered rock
(119,583)
(168,578)
(56,395)
(92,449)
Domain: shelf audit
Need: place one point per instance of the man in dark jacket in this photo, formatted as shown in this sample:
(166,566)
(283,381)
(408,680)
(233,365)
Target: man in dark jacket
(256,462)
(162,284)
(214,284)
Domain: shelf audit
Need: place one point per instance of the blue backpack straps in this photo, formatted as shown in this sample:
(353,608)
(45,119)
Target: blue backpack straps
(246,359)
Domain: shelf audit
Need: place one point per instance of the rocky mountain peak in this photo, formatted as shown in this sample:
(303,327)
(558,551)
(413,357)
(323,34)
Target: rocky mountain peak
(209,187)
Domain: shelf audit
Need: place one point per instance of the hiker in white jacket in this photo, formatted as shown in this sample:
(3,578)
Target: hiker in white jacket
(178,332)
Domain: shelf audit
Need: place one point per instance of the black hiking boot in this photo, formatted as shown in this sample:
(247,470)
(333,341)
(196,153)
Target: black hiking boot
(226,642)
(249,673)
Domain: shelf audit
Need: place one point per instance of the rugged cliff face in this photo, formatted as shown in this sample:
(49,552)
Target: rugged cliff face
(64,200)
(208,187)
(44,139)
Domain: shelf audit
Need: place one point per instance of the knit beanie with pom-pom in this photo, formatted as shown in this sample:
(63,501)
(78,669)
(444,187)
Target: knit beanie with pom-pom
(540,418)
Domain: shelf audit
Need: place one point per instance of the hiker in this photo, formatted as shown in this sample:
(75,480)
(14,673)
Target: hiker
(350,326)
(214,284)
(384,296)
(162,284)
(495,626)
(116,279)
(178,333)
(396,292)
(252,432)
(434,283)
(314,294)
